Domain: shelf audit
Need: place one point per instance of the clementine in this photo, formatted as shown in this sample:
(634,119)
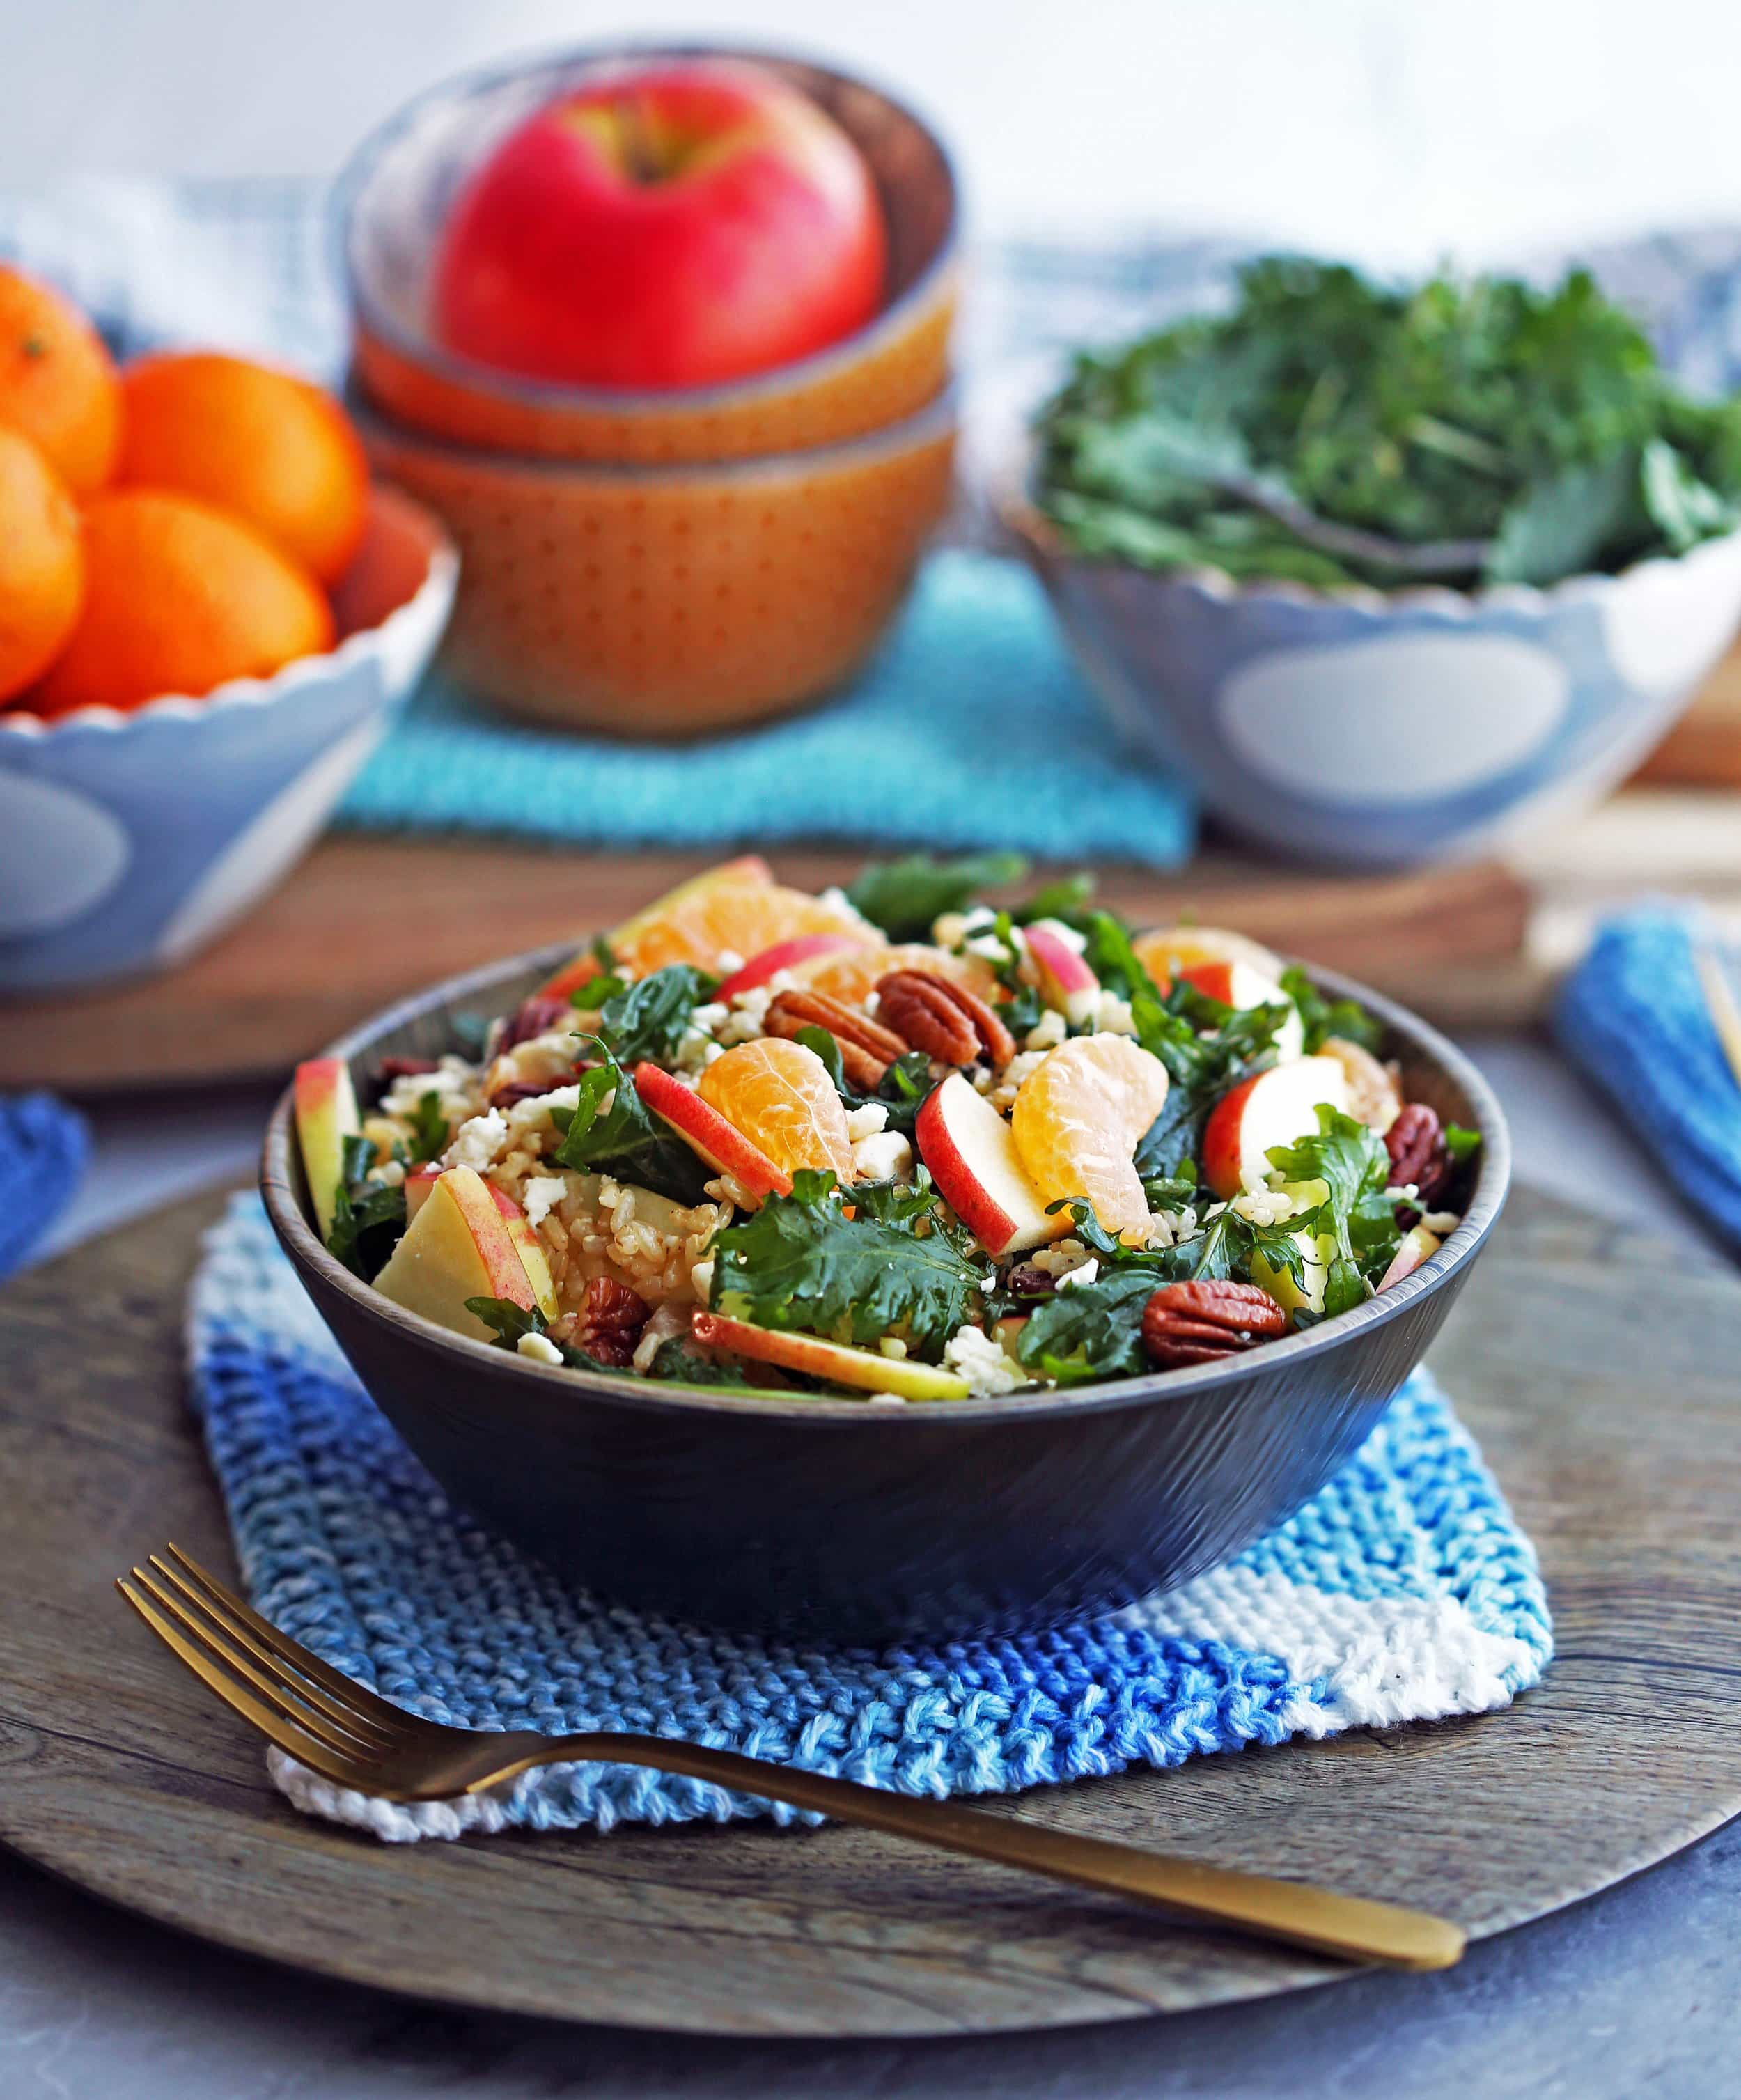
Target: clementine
(179,598)
(42,564)
(57,382)
(263,444)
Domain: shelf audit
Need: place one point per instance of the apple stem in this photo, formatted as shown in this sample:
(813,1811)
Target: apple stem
(635,136)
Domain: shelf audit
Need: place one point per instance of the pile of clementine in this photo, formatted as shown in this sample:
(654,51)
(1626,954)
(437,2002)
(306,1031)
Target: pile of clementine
(165,528)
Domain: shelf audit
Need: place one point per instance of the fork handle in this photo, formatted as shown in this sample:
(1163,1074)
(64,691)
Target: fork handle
(1295,1912)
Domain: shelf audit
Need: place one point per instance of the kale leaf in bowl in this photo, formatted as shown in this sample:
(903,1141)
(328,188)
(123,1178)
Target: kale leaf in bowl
(1331,430)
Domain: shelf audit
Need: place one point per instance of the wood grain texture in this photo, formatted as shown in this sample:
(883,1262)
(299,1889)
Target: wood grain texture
(363,922)
(1704,748)
(1609,1413)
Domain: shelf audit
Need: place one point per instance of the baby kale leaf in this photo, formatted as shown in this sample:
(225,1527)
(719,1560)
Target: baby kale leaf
(508,1322)
(679,1363)
(901,1090)
(1351,1161)
(1323,1018)
(648,1019)
(1093,1331)
(430,1129)
(800,1261)
(903,897)
(367,1216)
(612,1131)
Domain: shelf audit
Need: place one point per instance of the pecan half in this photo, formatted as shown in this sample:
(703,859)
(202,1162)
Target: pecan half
(519,1090)
(404,1068)
(1416,1146)
(942,1018)
(539,1014)
(1200,1323)
(611,1318)
(867,1049)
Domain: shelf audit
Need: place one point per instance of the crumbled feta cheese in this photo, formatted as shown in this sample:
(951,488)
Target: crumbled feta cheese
(982,1079)
(866,1120)
(1021,1066)
(885,1156)
(1047,1032)
(539,1348)
(1079,1278)
(727,960)
(534,1115)
(1442,1221)
(479,1143)
(1168,1228)
(973,1354)
(1404,1191)
(1113,1015)
(989,947)
(749,1010)
(453,1083)
(837,898)
(390,1173)
(540,1195)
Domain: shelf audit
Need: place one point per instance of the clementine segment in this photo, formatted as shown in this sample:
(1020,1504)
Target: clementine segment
(1079,1117)
(1168,951)
(262,443)
(779,1095)
(179,598)
(42,564)
(738,919)
(57,382)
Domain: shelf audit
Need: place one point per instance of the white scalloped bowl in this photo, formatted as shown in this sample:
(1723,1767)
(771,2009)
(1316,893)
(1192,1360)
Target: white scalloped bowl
(1389,730)
(130,840)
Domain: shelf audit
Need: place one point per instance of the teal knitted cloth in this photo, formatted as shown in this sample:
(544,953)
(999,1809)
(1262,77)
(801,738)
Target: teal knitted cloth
(971,728)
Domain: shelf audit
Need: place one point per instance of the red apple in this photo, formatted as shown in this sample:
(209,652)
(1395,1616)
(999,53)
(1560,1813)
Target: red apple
(971,1152)
(418,1184)
(1236,983)
(677,223)
(706,1131)
(529,1248)
(867,1368)
(1066,982)
(326,1114)
(1276,1107)
(458,1246)
(1416,1245)
(785,955)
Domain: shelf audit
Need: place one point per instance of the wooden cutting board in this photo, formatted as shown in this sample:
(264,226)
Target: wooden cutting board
(364,921)
(1615,1436)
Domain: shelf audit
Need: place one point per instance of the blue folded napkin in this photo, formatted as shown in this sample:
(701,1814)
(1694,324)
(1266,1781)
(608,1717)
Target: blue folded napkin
(43,1147)
(1633,1017)
(971,727)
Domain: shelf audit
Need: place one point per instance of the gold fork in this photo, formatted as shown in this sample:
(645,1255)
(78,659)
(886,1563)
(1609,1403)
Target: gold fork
(346,1733)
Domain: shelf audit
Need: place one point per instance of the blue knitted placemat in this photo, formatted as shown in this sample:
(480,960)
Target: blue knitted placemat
(43,1147)
(971,728)
(1633,1016)
(1403,1592)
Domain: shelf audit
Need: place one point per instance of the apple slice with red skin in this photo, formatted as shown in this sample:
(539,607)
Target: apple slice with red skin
(584,968)
(1276,1107)
(866,1369)
(785,955)
(418,1184)
(1417,1245)
(1066,982)
(459,1246)
(326,1114)
(1237,984)
(971,1152)
(723,1146)
(529,1248)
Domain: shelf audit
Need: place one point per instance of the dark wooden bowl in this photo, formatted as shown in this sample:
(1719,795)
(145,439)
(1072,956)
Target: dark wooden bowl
(830,1517)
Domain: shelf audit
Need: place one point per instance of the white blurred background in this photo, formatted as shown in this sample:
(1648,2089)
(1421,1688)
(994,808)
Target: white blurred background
(1396,131)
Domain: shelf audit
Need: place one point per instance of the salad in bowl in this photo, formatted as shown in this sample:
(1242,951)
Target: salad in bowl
(891,1143)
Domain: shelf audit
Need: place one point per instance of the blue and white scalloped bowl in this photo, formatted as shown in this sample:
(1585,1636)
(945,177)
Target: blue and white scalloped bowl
(1385,730)
(129,840)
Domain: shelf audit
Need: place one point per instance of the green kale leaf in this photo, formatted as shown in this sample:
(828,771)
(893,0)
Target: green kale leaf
(430,1130)
(904,897)
(799,1262)
(1344,1019)
(647,1019)
(367,1216)
(509,1321)
(612,1131)
(1351,1163)
(902,1089)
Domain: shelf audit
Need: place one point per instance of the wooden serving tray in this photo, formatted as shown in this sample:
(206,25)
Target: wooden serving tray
(364,921)
(1605,1402)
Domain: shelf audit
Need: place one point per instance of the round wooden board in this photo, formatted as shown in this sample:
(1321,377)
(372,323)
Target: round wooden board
(1603,1393)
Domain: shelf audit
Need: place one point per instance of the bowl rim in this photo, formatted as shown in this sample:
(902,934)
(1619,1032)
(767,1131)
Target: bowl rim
(1041,543)
(932,282)
(440,580)
(938,417)
(1486,1199)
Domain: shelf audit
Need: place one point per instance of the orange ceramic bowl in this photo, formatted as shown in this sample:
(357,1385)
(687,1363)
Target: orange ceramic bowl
(396,194)
(670,600)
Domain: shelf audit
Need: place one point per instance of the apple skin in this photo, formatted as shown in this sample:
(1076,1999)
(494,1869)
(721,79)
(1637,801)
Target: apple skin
(723,1146)
(1237,984)
(785,955)
(866,1369)
(1066,982)
(677,224)
(1417,1245)
(971,1152)
(527,1244)
(326,1114)
(1272,1107)
(418,1184)
(458,1246)
(751,868)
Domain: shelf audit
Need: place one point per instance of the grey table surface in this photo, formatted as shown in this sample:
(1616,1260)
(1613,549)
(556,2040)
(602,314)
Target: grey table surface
(1636,1992)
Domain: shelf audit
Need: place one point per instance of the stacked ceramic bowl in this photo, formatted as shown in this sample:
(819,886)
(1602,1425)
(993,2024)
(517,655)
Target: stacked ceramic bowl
(666,563)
